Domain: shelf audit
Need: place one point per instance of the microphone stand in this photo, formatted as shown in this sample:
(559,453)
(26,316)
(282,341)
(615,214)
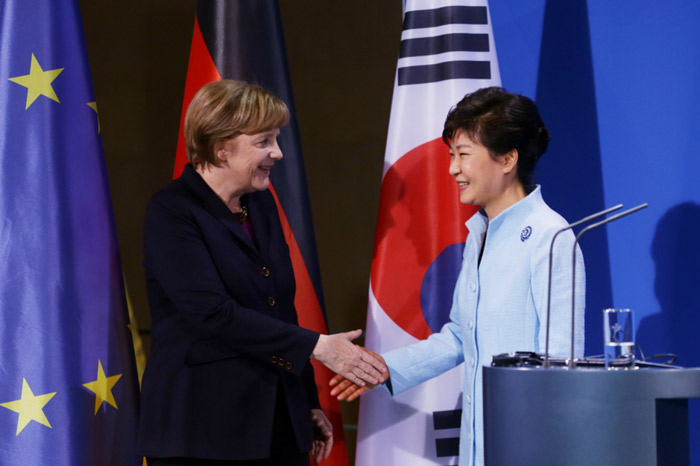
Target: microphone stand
(545,363)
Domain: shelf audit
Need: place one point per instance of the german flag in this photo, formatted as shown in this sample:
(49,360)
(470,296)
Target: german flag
(244,40)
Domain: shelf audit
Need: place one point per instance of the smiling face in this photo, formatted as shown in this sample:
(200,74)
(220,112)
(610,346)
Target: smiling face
(482,179)
(248,159)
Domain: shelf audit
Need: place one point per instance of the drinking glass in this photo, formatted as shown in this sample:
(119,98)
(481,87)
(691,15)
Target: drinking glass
(618,335)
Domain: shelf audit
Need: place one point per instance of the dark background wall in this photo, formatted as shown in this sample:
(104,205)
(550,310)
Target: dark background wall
(342,59)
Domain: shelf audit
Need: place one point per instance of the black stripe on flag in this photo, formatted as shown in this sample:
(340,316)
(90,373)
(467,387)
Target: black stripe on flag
(443,71)
(447,447)
(446,15)
(445,43)
(447,420)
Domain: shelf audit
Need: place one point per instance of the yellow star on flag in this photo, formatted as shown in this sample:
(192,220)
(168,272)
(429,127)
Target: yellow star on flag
(38,82)
(93,105)
(102,387)
(29,407)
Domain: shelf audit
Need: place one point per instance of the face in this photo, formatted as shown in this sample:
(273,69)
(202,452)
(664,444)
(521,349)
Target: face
(481,180)
(249,158)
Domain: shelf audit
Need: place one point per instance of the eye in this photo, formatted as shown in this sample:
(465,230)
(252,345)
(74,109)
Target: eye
(263,142)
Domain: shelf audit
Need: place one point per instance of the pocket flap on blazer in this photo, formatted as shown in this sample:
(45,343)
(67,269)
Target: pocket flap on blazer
(206,351)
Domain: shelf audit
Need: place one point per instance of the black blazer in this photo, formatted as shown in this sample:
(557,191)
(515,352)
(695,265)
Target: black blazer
(224,328)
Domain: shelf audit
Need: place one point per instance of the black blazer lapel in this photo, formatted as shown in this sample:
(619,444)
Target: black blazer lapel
(217,209)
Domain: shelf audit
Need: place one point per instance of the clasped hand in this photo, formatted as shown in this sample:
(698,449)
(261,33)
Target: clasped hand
(358,366)
(346,390)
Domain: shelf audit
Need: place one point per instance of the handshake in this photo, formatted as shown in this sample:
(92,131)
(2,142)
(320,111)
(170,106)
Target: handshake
(359,369)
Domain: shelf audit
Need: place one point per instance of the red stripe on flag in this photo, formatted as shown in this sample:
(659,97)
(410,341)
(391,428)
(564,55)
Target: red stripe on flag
(419,216)
(311,317)
(200,71)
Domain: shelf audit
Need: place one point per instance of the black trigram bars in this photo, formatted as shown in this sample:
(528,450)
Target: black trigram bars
(447,420)
(462,42)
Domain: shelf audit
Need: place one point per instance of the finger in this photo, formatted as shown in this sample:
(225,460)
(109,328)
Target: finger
(356,394)
(344,384)
(374,361)
(327,450)
(339,390)
(351,335)
(335,380)
(376,355)
(344,396)
(335,391)
(341,386)
(347,391)
(367,373)
(384,369)
(355,379)
(362,373)
(317,450)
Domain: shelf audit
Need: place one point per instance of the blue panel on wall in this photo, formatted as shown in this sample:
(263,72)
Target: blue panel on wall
(517,32)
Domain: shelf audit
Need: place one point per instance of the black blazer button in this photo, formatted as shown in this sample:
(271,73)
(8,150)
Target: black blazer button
(275,360)
(264,271)
(272,302)
(288,365)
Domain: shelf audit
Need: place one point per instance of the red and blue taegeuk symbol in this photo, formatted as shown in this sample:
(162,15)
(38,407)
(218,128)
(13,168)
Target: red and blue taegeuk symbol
(420,240)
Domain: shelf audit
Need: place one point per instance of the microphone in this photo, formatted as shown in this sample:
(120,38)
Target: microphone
(545,363)
(572,363)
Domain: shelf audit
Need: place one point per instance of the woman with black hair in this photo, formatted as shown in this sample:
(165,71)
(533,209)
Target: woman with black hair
(500,299)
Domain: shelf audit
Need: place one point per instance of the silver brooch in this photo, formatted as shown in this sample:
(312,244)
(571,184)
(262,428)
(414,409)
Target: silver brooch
(525,234)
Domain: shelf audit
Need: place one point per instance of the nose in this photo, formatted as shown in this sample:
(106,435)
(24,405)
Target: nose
(276,152)
(454,167)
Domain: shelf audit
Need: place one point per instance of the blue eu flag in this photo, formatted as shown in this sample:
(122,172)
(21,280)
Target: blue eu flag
(69,390)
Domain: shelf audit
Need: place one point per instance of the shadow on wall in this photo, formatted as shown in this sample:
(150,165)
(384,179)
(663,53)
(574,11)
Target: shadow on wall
(674,329)
(676,253)
(571,170)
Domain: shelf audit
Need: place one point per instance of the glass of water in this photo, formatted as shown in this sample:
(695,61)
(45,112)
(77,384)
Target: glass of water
(618,335)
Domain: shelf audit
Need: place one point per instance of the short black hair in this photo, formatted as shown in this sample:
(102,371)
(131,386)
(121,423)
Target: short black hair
(501,122)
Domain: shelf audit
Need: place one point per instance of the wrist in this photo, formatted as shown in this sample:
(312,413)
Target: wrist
(320,347)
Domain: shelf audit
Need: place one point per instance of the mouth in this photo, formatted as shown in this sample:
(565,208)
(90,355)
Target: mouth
(462,185)
(265,168)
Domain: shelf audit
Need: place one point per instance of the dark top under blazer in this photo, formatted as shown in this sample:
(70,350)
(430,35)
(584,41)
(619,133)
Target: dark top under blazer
(224,328)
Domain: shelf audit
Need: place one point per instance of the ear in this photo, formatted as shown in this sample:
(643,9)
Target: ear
(510,161)
(220,151)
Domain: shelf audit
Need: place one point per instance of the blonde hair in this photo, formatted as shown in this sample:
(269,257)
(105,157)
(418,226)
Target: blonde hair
(225,109)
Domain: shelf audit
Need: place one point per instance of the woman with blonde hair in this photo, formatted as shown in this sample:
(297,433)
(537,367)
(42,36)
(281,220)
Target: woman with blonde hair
(229,381)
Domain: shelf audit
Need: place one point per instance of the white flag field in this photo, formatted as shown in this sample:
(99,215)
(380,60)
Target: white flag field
(447,51)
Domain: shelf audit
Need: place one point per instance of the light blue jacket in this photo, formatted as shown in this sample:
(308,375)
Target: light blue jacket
(500,306)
